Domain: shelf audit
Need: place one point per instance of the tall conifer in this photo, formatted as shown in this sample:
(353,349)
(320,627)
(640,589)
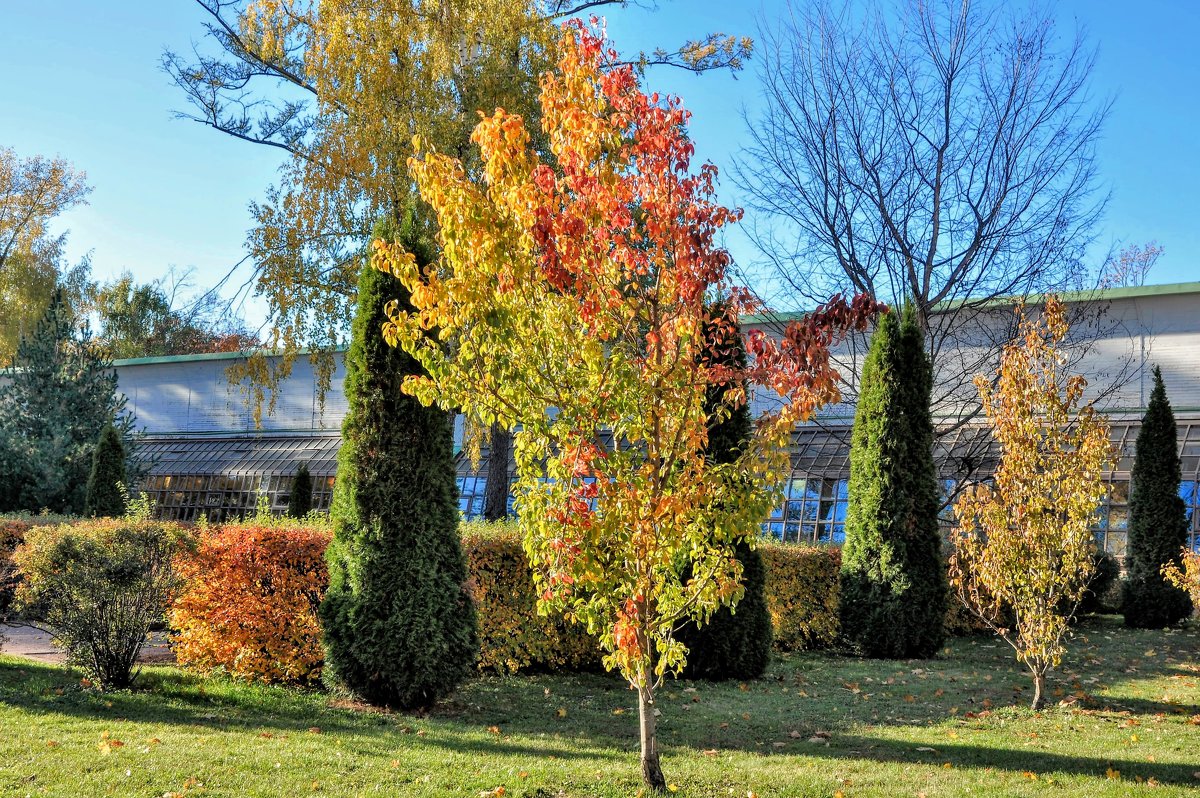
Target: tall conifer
(735,643)
(399,626)
(893,579)
(300,496)
(106,485)
(1157,520)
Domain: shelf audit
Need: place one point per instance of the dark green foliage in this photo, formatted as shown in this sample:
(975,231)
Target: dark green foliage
(106,485)
(399,625)
(893,578)
(1157,520)
(60,393)
(735,643)
(300,497)
(1105,573)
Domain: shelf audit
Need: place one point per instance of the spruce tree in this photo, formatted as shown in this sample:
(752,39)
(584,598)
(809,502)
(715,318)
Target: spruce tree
(1157,520)
(736,642)
(398,624)
(893,598)
(58,396)
(301,494)
(106,485)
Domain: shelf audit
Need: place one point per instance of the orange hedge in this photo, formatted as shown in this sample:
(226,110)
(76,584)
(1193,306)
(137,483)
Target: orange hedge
(512,636)
(249,602)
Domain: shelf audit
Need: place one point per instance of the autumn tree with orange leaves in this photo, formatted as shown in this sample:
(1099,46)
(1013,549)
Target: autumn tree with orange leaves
(574,296)
(1024,545)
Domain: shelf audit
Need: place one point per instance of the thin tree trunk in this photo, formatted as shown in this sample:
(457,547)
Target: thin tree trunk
(495,495)
(652,774)
(1039,689)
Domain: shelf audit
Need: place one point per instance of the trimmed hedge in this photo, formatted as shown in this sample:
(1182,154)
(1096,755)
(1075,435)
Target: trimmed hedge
(512,636)
(249,602)
(802,594)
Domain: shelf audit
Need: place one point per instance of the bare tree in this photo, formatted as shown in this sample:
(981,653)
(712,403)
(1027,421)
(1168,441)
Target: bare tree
(942,154)
(1130,266)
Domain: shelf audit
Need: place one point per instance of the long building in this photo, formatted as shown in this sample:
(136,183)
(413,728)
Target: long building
(210,457)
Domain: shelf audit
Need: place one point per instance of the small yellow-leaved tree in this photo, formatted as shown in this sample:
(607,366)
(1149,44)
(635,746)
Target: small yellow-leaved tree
(1186,576)
(1023,546)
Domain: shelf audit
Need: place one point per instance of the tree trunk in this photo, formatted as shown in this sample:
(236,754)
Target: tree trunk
(495,495)
(652,775)
(1039,690)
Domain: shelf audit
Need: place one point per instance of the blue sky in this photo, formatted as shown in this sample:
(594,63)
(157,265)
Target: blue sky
(81,80)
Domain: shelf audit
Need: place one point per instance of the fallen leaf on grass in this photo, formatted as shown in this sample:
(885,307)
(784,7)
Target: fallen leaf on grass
(494,730)
(314,729)
(1112,775)
(710,753)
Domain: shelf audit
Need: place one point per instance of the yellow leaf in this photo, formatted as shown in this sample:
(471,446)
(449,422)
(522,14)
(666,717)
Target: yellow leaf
(1112,775)
(561,712)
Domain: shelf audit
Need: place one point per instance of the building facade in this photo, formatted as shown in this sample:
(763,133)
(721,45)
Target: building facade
(211,458)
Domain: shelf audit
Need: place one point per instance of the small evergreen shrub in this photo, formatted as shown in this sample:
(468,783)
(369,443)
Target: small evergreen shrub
(1158,523)
(801,589)
(1102,593)
(513,637)
(300,500)
(106,484)
(99,585)
(248,602)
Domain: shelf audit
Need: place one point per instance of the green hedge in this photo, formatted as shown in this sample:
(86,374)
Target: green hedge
(802,594)
(512,636)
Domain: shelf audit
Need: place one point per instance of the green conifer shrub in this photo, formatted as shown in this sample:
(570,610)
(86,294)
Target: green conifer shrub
(300,499)
(59,395)
(106,484)
(398,623)
(736,642)
(1157,520)
(894,586)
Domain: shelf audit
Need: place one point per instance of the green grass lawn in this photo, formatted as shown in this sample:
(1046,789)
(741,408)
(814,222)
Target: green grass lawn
(817,725)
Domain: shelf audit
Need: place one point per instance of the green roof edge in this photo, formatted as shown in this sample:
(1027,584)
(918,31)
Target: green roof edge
(1087,295)
(243,355)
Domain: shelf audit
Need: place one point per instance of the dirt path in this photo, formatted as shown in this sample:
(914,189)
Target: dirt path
(35,644)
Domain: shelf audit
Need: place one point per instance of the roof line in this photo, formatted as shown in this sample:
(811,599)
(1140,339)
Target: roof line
(242,355)
(1086,295)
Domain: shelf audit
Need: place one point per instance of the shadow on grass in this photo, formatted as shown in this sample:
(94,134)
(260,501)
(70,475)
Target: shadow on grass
(171,697)
(1013,760)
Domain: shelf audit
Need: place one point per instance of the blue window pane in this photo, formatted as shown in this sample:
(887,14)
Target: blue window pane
(839,533)
(1187,490)
(843,489)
